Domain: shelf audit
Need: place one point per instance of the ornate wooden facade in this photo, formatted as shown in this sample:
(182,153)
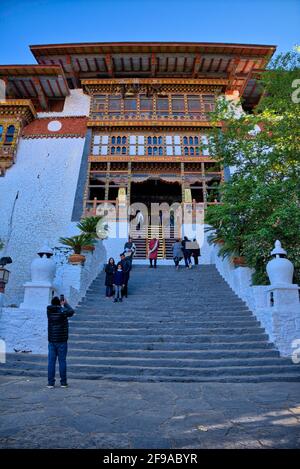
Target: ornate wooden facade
(14,115)
(149,113)
(151,131)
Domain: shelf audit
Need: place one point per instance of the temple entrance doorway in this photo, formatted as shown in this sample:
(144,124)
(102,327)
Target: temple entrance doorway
(155,191)
(161,221)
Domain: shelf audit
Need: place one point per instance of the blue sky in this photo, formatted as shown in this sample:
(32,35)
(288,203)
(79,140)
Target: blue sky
(25,22)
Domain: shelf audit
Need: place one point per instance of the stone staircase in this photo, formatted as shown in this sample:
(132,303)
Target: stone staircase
(175,326)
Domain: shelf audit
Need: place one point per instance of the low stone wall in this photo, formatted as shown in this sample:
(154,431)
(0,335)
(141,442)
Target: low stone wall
(280,317)
(24,330)
(74,280)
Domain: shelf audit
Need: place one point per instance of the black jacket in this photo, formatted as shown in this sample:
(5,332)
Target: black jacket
(109,277)
(58,326)
(126,267)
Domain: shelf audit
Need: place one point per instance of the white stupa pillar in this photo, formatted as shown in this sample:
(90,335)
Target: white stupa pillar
(282,291)
(283,302)
(39,292)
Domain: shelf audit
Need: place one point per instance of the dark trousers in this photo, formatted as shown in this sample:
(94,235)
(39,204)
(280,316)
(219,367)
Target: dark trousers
(151,262)
(125,289)
(196,260)
(109,290)
(177,260)
(57,349)
(187,259)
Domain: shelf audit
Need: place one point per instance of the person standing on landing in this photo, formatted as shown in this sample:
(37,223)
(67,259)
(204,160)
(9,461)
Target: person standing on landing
(129,250)
(153,251)
(118,282)
(177,253)
(58,330)
(186,252)
(196,251)
(110,269)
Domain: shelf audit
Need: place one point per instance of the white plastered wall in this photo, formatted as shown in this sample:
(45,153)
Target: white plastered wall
(36,202)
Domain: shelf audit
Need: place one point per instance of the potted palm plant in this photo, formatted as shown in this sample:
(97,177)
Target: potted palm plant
(77,243)
(239,261)
(92,226)
(214,238)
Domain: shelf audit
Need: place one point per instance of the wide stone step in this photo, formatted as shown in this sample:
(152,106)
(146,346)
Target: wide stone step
(262,378)
(130,315)
(144,311)
(120,321)
(101,370)
(96,324)
(164,331)
(228,334)
(167,295)
(77,351)
(183,311)
(170,346)
(149,363)
(174,362)
(143,292)
(208,337)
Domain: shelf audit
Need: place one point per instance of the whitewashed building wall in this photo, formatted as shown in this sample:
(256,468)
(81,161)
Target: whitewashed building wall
(44,180)
(37,196)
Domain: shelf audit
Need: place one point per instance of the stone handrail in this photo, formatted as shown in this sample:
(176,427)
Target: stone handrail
(277,307)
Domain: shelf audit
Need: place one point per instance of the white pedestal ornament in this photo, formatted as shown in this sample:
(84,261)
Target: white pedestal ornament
(39,292)
(283,301)
(280,270)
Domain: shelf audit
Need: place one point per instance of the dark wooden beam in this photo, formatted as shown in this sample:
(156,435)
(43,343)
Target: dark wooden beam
(78,65)
(51,89)
(87,64)
(59,88)
(219,66)
(13,84)
(246,79)
(197,64)
(131,63)
(232,72)
(43,100)
(25,88)
(167,64)
(175,64)
(210,65)
(109,64)
(74,73)
(153,65)
(122,64)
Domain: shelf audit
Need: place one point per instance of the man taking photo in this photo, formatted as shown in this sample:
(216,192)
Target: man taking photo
(58,330)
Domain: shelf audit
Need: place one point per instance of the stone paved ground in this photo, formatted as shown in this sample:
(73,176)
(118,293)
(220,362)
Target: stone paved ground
(106,414)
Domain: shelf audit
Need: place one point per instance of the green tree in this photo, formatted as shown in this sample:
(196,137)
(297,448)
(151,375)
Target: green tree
(261,202)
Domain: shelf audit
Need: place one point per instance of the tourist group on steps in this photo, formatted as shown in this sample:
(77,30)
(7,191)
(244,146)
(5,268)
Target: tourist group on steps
(116,282)
(117,275)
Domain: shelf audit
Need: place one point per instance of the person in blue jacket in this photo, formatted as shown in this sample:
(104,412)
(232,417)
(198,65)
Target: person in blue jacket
(119,282)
